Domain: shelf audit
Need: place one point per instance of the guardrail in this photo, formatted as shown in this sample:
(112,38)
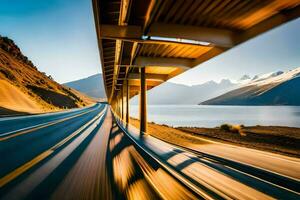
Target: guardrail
(139,140)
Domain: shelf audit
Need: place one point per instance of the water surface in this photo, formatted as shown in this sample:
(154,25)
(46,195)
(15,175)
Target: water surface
(211,116)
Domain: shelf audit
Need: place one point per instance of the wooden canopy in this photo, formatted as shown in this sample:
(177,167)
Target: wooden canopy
(169,37)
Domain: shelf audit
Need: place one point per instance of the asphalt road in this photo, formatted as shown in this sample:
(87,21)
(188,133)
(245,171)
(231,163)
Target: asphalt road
(87,154)
(29,142)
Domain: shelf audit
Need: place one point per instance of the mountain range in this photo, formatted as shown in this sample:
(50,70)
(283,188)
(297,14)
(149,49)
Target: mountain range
(91,86)
(276,88)
(166,93)
(172,93)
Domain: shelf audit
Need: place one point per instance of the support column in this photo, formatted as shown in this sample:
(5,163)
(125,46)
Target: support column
(122,103)
(127,101)
(143,101)
(120,107)
(124,87)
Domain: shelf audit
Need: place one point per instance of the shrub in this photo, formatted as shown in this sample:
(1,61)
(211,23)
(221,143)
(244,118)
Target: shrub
(50,87)
(225,127)
(9,75)
(50,77)
(233,129)
(42,81)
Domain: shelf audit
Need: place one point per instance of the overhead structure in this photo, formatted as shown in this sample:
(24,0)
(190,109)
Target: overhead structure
(168,37)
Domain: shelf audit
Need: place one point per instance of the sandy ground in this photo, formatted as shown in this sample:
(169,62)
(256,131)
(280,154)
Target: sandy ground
(281,140)
(279,163)
(13,98)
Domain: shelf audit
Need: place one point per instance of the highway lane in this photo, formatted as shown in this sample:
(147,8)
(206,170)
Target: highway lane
(10,124)
(17,151)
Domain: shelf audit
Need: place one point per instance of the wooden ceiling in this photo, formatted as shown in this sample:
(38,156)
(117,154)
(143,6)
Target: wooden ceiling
(171,36)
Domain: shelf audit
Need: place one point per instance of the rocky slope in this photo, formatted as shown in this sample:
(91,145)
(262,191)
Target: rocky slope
(23,88)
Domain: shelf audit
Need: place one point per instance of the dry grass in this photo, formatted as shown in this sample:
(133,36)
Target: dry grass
(169,134)
(282,140)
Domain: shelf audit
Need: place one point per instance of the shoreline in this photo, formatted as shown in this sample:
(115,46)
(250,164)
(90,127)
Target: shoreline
(274,139)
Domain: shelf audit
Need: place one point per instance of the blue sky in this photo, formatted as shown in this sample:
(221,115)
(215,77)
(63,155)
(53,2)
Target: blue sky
(59,37)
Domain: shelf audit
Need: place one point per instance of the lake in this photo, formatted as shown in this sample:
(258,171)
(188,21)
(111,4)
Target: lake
(212,116)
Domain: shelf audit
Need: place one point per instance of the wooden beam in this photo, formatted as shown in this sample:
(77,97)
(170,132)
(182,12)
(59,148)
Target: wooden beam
(100,44)
(120,32)
(136,76)
(269,24)
(218,37)
(134,88)
(125,11)
(132,33)
(150,83)
(175,73)
(167,62)
(210,54)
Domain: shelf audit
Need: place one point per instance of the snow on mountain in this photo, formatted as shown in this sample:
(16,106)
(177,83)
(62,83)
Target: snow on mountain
(266,76)
(244,79)
(276,88)
(275,77)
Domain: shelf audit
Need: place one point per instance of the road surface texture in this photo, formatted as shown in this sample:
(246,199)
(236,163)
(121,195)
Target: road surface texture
(90,154)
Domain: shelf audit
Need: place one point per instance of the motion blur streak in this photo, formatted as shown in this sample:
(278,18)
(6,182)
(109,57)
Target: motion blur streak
(94,182)
(93,155)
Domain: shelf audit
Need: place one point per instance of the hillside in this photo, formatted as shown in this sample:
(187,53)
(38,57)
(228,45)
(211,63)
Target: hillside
(271,89)
(171,93)
(91,86)
(24,89)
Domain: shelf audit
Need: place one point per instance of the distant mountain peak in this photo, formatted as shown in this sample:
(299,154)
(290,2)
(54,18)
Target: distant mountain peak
(210,83)
(225,81)
(267,76)
(245,77)
(92,86)
(255,77)
(276,73)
